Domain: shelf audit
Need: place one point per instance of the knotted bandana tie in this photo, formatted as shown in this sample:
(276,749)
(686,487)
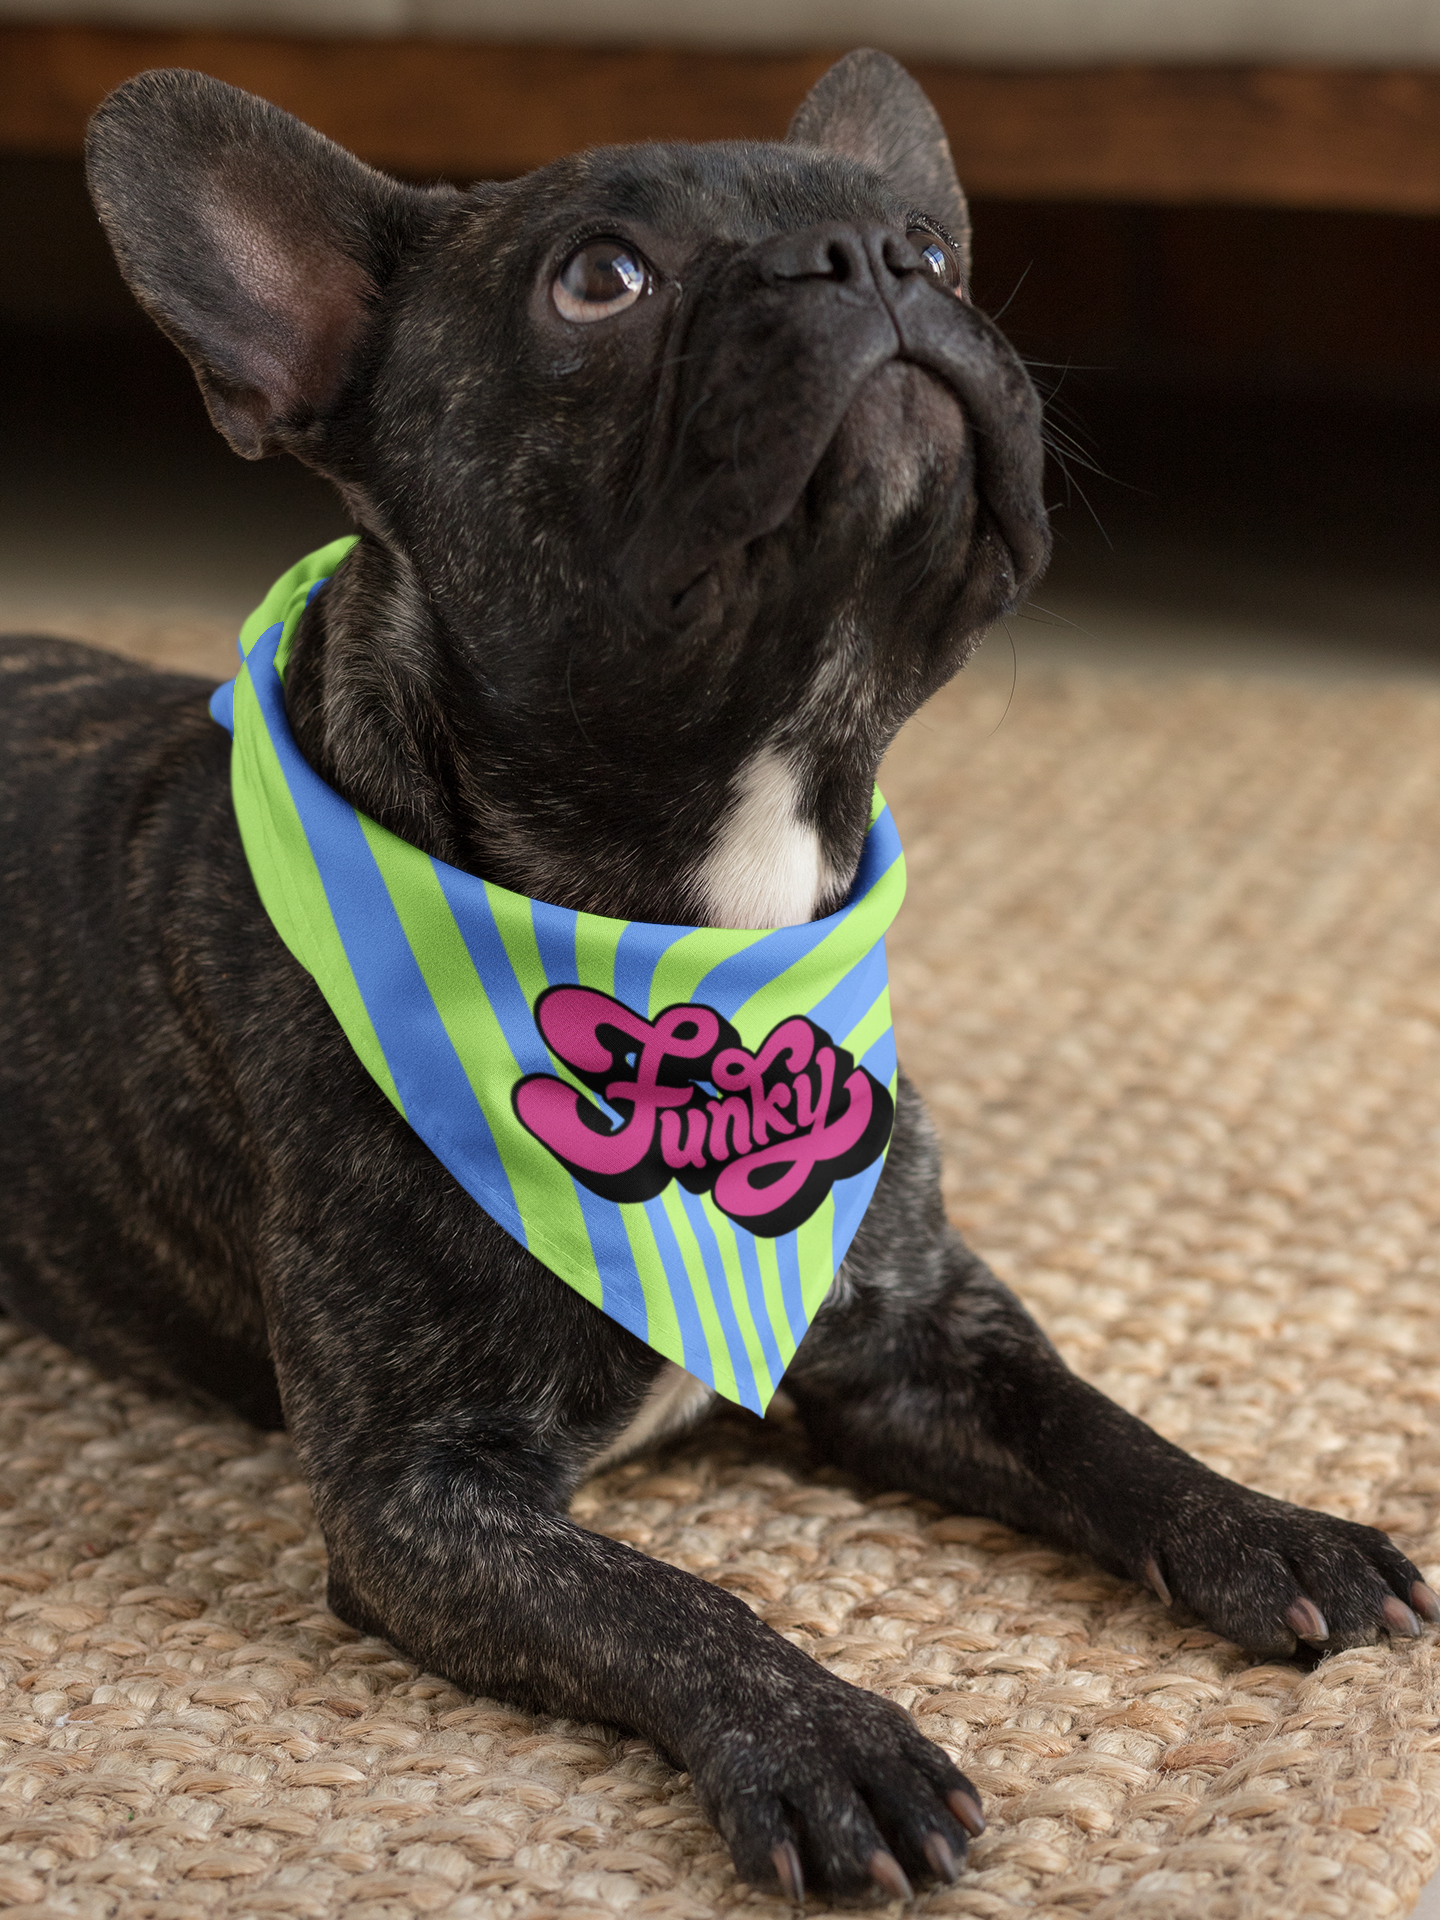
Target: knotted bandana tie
(686,1124)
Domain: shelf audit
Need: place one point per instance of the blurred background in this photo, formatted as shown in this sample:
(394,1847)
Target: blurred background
(1213,230)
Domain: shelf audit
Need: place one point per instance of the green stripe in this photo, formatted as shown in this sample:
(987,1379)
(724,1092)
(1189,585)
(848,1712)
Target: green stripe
(775,1299)
(472,1026)
(815,1245)
(686,961)
(662,1321)
(293,586)
(522,948)
(739,1299)
(517,933)
(596,940)
(289,884)
(722,1372)
(815,973)
(869,1027)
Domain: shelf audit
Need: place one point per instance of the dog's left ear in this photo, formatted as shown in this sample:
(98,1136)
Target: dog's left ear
(259,246)
(868,108)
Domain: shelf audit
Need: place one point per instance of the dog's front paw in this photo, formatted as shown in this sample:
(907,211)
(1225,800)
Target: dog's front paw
(1268,1575)
(834,1791)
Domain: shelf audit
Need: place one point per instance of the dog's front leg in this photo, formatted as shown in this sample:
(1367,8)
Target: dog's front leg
(441,1428)
(924,1372)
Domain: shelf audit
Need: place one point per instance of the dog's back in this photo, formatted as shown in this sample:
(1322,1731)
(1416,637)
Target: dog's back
(114,821)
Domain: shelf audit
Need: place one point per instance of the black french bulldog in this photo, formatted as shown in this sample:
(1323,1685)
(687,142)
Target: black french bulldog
(684,475)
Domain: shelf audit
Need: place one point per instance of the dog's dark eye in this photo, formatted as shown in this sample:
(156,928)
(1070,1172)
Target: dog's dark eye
(937,257)
(600,278)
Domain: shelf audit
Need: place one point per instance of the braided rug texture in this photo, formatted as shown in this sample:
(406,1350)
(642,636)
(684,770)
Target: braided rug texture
(1170,977)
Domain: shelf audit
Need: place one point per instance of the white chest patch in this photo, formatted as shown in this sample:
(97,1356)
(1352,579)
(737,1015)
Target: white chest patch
(765,868)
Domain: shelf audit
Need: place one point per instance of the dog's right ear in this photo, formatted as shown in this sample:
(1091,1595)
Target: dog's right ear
(870,109)
(256,244)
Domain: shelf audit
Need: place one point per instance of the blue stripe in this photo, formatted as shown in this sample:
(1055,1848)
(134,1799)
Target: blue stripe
(692,1333)
(880,1059)
(759,1306)
(433,1088)
(621,1294)
(474,916)
(731,982)
(222,701)
(724,1306)
(637,954)
(852,998)
(880,852)
(851,1198)
(555,932)
(787,1253)
(268,644)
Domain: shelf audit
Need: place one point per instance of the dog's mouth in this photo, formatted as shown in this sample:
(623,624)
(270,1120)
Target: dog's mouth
(902,440)
(843,411)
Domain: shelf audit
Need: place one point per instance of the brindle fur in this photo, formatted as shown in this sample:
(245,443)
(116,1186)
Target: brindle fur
(772,506)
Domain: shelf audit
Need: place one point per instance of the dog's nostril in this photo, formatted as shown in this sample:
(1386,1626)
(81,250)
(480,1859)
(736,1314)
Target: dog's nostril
(842,267)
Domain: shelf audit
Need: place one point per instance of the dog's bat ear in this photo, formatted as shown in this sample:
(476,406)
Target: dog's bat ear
(256,244)
(868,108)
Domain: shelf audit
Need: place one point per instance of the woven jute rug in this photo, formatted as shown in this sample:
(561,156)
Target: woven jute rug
(1170,976)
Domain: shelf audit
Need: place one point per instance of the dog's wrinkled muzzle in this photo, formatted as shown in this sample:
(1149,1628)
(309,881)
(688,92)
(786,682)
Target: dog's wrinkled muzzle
(776,350)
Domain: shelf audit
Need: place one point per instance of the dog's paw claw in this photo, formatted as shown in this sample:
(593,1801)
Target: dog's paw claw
(888,1874)
(789,1872)
(1425,1601)
(943,1863)
(1156,1580)
(1306,1621)
(1399,1619)
(966,1809)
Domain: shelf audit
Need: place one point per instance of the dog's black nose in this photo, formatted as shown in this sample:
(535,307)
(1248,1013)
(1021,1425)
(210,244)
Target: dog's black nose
(875,256)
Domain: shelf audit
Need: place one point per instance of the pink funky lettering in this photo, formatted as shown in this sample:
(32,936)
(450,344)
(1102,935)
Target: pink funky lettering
(768,1133)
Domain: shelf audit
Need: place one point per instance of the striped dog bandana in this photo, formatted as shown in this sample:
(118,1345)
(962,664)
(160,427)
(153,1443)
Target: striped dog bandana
(685,1124)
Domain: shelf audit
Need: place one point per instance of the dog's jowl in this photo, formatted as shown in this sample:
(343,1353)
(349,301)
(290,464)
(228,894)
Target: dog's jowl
(466,1039)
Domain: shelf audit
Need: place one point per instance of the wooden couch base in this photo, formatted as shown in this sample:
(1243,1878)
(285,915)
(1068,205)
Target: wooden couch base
(1276,136)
